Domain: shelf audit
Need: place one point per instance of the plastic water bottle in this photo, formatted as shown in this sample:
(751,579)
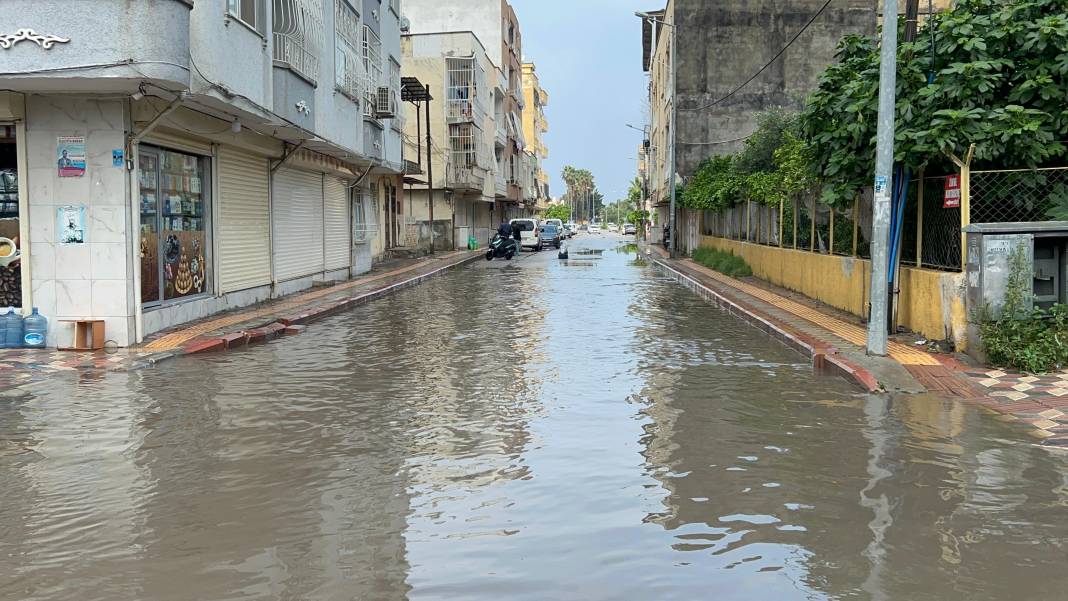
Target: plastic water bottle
(3,329)
(13,330)
(35,330)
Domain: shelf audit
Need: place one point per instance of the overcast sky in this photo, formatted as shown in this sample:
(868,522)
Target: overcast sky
(589,59)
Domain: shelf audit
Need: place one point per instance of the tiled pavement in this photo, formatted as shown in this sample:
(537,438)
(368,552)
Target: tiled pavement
(19,367)
(1038,401)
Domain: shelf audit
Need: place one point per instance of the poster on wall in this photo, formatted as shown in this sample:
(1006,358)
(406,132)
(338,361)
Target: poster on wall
(70,156)
(70,224)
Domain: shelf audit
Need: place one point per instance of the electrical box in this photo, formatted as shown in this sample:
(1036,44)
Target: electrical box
(988,268)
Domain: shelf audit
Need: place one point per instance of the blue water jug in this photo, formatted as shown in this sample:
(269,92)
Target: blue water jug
(35,330)
(13,330)
(3,329)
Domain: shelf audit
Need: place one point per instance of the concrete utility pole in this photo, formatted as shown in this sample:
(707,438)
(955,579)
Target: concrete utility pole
(430,171)
(884,165)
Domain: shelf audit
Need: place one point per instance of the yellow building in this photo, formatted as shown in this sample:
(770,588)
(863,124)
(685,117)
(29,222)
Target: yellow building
(535,99)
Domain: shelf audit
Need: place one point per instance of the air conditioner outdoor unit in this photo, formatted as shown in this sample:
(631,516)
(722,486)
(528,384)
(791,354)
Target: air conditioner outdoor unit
(385,105)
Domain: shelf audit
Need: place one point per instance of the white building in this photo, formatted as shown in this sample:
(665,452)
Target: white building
(175,159)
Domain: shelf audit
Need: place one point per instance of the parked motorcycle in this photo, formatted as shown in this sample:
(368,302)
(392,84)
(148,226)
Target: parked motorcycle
(499,247)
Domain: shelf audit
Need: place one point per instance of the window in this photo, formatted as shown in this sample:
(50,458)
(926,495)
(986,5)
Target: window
(394,5)
(348,64)
(372,65)
(298,34)
(250,12)
(364,226)
(462,145)
(395,87)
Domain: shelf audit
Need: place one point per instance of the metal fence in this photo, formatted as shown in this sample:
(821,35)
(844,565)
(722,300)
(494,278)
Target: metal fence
(1019,195)
(930,233)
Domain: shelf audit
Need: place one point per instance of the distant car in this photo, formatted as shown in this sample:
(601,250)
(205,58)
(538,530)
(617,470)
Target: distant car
(550,234)
(556,222)
(584,228)
(629,229)
(573,227)
(595,229)
(528,236)
(567,232)
(613,227)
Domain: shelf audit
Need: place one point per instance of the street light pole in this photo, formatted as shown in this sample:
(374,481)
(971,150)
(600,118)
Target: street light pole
(884,165)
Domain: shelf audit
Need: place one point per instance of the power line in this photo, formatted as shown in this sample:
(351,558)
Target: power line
(768,64)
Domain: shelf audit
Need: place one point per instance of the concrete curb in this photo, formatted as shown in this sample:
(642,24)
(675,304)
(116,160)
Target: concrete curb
(295,323)
(825,358)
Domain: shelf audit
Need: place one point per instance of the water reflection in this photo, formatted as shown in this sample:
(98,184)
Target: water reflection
(546,429)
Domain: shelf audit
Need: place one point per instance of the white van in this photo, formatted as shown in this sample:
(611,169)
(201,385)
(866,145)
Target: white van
(528,236)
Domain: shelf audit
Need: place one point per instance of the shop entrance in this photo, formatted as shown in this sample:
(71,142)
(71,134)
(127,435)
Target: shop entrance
(174,213)
(10,243)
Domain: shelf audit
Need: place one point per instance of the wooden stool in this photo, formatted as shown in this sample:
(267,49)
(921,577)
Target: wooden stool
(88,335)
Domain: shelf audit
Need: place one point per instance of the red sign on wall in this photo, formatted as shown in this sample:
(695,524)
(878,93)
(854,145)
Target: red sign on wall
(952,198)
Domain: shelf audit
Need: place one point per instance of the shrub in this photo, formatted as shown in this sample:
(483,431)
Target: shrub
(723,262)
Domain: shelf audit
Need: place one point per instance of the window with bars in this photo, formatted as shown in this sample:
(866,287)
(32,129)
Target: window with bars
(348,62)
(462,145)
(372,65)
(250,12)
(395,5)
(298,35)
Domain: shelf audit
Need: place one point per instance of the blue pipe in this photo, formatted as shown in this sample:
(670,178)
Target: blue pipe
(898,221)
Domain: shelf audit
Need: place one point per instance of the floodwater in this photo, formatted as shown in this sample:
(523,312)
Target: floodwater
(533,430)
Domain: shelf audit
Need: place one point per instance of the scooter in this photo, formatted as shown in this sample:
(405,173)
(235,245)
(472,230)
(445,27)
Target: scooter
(502,247)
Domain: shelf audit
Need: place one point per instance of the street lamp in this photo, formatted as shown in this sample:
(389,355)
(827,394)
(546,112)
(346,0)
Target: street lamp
(672,234)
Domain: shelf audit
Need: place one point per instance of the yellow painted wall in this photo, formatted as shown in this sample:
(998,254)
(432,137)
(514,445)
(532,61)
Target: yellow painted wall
(931,302)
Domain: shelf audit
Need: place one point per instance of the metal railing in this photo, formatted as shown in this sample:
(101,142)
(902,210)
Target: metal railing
(465,177)
(297,36)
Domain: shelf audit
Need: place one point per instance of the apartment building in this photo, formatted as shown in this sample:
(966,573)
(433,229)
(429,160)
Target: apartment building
(495,24)
(535,125)
(175,159)
(464,83)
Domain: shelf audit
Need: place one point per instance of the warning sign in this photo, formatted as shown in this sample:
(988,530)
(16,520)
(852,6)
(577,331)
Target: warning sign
(952,198)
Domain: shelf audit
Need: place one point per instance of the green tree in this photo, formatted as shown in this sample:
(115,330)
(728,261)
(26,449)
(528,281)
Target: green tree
(561,212)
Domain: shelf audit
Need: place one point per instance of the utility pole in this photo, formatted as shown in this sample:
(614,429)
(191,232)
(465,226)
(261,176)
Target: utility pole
(429,171)
(884,165)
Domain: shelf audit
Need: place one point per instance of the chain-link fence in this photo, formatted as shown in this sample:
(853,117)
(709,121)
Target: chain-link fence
(1019,195)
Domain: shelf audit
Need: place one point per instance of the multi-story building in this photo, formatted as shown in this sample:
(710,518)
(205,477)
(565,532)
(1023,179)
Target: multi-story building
(720,46)
(243,151)
(535,124)
(494,23)
(464,83)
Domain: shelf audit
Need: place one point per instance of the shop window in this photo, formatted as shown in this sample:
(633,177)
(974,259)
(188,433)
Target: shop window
(10,243)
(174,225)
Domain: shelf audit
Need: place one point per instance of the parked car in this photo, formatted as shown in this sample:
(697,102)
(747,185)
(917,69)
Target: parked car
(571,225)
(528,232)
(550,234)
(567,232)
(613,227)
(595,228)
(556,222)
(629,229)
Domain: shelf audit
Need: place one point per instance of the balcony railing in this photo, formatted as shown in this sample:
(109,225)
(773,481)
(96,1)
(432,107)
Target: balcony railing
(466,178)
(298,33)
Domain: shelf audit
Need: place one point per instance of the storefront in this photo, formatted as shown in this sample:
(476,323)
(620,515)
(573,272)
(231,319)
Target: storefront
(175,209)
(10,235)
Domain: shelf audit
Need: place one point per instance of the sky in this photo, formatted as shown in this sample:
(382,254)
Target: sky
(588,55)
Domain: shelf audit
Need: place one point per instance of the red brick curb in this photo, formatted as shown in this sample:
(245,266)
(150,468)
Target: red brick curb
(204,345)
(825,358)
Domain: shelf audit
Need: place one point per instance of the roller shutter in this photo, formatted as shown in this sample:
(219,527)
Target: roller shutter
(336,226)
(244,221)
(297,212)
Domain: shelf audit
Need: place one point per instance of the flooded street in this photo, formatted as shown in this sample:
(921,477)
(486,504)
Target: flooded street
(534,429)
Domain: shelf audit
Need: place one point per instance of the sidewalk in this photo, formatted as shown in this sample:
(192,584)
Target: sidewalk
(258,323)
(838,346)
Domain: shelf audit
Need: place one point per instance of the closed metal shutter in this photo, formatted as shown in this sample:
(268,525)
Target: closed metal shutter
(244,221)
(338,243)
(297,212)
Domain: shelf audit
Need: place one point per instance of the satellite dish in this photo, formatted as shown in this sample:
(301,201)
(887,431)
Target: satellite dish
(405,24)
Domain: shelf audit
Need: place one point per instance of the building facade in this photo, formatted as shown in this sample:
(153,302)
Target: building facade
(495,24)
(245,151)
(720,46)
(535,125)
(464,84)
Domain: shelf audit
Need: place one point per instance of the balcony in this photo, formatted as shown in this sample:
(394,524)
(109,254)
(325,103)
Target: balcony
(464,178)
(50,41)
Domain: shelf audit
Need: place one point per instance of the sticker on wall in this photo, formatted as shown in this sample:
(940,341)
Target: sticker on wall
(70,224)
(70,155)
(118,158)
